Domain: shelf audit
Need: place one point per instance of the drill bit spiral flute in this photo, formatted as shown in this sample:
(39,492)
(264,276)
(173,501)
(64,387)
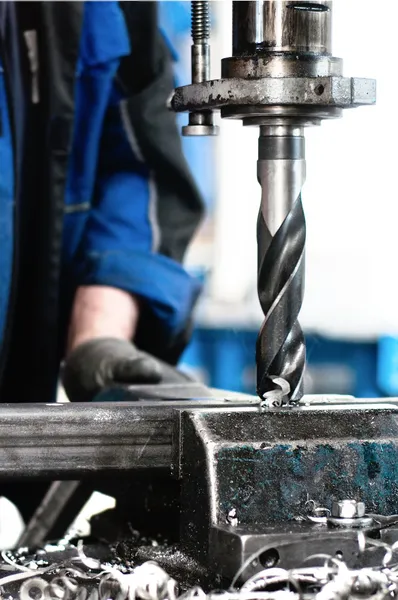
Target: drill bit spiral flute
(282,77)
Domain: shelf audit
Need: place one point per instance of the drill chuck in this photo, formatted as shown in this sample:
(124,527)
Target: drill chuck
(281,235)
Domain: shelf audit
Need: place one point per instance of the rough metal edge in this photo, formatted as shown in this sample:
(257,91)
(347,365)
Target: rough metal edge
(344,92)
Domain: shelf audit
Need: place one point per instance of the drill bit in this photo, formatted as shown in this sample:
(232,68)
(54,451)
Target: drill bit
(280,351)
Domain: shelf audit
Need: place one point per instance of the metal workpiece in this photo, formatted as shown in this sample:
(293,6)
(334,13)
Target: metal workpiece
(281,26)
(70,440)
(281,232)
(67,441)
(200,123)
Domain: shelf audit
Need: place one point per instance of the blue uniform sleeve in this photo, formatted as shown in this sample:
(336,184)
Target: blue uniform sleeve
(122,236)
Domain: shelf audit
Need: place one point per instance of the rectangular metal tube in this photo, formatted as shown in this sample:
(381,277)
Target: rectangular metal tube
(66,441)
(62,440)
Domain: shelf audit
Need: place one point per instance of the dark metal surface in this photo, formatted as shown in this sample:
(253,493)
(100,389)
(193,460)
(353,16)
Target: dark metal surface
(284,546)
(341,92)
(267,466)
(66,441)
(278,65)
(72,439)
(186,570)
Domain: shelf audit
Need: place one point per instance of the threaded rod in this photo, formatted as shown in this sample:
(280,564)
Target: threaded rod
(200,21)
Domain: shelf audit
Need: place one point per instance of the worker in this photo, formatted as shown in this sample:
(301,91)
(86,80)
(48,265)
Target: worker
(97,205)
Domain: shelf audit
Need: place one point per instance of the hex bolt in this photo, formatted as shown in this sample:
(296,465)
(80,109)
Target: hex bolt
(348,509)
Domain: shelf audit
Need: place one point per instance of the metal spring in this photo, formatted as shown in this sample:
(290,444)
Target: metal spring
(200,21)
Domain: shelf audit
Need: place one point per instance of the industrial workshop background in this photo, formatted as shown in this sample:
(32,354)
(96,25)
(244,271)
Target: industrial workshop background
(350,311)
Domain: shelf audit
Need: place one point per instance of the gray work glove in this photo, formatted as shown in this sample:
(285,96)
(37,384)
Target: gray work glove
(103,362)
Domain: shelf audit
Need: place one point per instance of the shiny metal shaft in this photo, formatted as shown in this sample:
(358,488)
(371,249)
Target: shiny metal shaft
(281,239)
(280,26)
(200,50)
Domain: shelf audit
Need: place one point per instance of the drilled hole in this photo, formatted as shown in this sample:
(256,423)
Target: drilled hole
(269,558)
(319,89)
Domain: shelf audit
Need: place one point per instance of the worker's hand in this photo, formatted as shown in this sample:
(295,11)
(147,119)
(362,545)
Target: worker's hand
(102,362)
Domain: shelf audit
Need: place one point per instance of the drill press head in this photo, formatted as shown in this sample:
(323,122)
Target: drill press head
(281,77)
(281,68)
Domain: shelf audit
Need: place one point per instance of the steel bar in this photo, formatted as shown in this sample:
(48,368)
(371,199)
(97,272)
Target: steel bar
(66,441)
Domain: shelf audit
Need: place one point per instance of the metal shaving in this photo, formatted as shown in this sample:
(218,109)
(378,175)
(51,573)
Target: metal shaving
(85,578)
(277,397)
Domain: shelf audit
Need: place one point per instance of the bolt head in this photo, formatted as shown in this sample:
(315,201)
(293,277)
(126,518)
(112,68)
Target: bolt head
(200,130)
(348,509)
